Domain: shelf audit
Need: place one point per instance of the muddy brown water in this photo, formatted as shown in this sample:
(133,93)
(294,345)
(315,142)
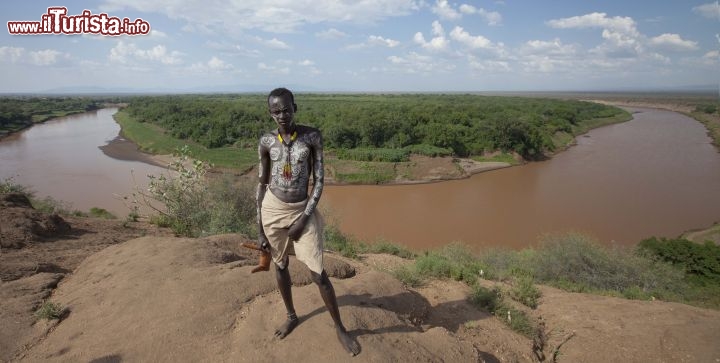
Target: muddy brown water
(657,175)
(62,158)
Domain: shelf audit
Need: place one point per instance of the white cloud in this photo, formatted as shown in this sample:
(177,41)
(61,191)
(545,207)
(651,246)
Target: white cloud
(129,53)
(554,47)
(470,41)
(596,20)
(491,17)
(710,10)
(438,43)
(44,57)
(214,65)
(374,40)
(445,11)
(306,62)
(233,49)
(330,34)
(273,69)
(378,40)
(488,66)
(274,43)
(418,63)
(276,16)
(672,42)
(621,38)
(11,54)
(157,34)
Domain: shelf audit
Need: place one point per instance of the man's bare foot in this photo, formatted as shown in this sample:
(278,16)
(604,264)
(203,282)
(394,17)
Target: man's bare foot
(287,327)
(347,342)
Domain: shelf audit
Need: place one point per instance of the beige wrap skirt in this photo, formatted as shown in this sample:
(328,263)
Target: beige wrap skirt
(277,216)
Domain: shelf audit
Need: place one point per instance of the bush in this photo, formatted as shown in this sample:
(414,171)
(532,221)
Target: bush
(706,108)
(101,213)
(49,310)
(428,150)
(576,259)
(525,292)
(364,154)
(484,298)
(193,206)
(701,260)
(387,248)
(339,242)
(491,301)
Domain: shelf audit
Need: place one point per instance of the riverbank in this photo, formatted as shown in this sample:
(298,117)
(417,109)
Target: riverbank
(418,170)
(711,121)
(36,119)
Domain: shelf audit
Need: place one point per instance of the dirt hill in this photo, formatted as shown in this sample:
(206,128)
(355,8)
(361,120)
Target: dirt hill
(162,298)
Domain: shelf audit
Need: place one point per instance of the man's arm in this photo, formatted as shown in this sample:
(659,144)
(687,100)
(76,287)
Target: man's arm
(263,180)
(318,173)
(316,148)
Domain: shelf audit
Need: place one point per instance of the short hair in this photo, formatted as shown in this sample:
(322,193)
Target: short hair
(282,91)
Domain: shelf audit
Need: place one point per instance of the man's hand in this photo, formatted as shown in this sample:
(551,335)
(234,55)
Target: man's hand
(262,243)
(296,229)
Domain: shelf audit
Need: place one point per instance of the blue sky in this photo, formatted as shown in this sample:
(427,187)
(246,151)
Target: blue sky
(372,45)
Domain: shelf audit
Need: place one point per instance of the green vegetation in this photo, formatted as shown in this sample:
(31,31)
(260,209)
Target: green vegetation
(699,261)
(153,139)
(101,213)
(491,300)
(17,113)
(360,172)
(49,311)
(393,125)
(501,157)
(46,205)
(346,246)
(191,205)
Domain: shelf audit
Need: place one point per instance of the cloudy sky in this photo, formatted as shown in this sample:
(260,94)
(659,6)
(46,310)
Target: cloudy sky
(371,45)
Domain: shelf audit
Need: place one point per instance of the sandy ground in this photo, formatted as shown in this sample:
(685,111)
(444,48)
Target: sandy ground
(168,299)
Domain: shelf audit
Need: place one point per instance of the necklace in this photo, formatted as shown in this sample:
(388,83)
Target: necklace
(287,168)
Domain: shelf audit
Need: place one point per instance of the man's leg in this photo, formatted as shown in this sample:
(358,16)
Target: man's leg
(328,295)
(284,284)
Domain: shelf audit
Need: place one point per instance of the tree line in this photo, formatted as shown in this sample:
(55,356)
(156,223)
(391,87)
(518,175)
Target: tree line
(458,124)
(20,112)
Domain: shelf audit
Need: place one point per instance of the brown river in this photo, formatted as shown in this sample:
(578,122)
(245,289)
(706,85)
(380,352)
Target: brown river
(657,175)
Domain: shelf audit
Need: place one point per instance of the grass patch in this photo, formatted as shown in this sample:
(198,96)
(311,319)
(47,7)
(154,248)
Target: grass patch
(588,125)
(153,139)
(428,150)
(49,311)
(373,154)
(501,158)
(101,213)
(360,172)
(491,300)
(453,261)
(525,292)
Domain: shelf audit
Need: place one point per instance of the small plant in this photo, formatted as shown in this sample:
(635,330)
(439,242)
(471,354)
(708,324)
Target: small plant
(525,292)
(491,300)
(49,311)
(101,213)
(408,276)
(339,242)
(387,247)
(484,298)
(8,185)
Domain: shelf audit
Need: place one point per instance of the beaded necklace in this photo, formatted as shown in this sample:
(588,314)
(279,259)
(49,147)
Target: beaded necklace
(287,168)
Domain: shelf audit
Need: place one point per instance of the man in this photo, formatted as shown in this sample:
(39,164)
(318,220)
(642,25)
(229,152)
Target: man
(287,218)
